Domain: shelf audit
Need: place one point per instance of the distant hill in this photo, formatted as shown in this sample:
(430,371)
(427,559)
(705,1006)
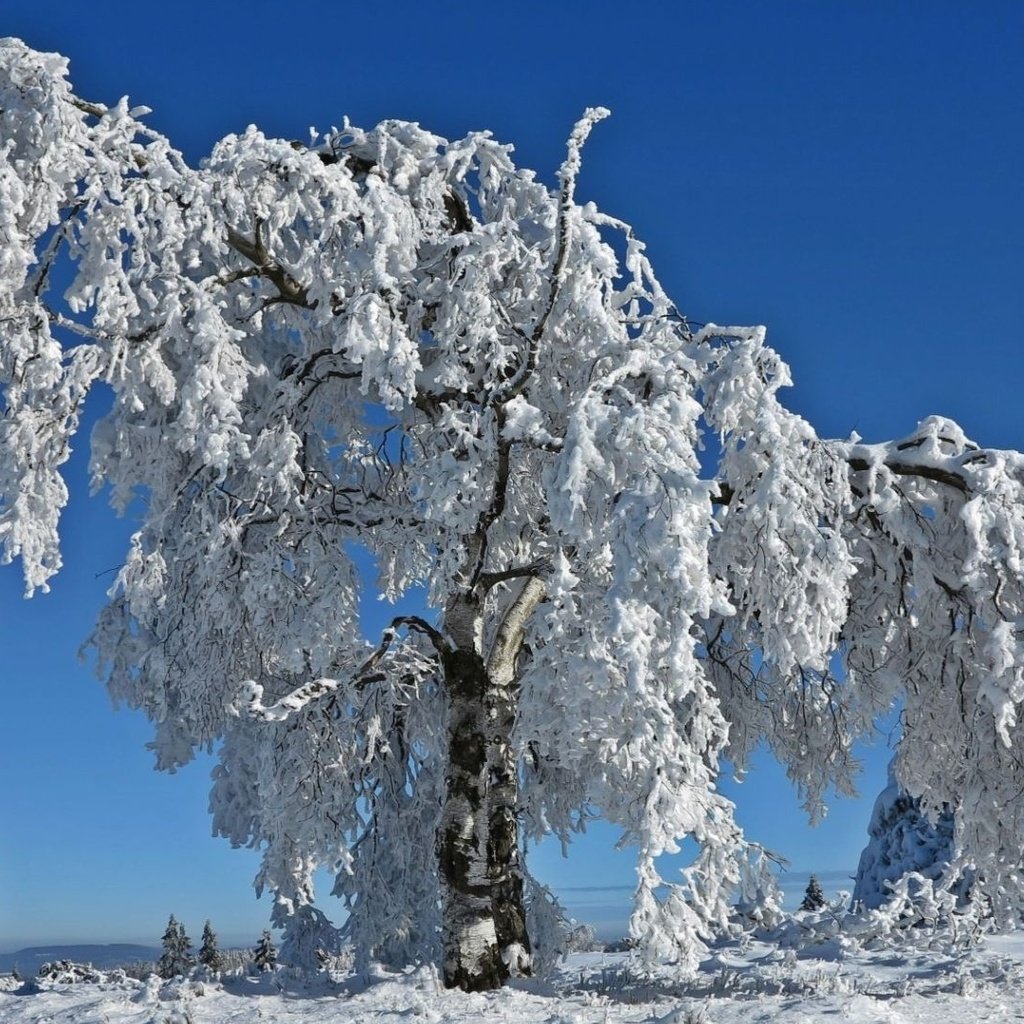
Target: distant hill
(29,960)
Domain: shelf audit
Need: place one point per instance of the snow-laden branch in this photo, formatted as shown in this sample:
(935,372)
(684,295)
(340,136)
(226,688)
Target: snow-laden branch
(288,288)
(567,176)
(251,692)
(967,471)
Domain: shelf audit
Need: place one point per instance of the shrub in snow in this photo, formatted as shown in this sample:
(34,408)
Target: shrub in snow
(140,970)
(553,933)
(67,972)
(309,940)
(180,993)
(923,912)
(627,944)
(758,905)
(919,914)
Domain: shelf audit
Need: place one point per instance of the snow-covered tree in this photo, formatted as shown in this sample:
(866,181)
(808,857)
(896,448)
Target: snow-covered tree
(903,839)
(209,954)
(176,957)
(383,360)
(814,897)
(264,956)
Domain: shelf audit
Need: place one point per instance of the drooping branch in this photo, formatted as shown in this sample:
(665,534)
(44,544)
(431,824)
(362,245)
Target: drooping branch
(945,475)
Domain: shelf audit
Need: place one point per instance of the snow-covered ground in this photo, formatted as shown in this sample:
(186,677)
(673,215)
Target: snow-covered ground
(743,983)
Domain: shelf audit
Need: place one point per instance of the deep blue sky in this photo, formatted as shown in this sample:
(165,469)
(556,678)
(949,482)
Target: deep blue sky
(848,174)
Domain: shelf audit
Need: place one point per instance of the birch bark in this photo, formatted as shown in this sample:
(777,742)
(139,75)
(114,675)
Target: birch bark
(485,940)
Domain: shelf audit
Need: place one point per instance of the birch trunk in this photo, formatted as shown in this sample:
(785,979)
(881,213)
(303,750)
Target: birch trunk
(470,936)
(484,918)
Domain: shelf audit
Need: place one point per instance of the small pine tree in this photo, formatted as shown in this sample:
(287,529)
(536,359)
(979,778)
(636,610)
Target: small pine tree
(210,955)
(185,950)
(814,897)
(264,956)
(176,958)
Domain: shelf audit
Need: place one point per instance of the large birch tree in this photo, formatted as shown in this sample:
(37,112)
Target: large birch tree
(380,359)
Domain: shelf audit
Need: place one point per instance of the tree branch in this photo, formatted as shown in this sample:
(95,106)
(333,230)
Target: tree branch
(486,580)
(568,173)
(92,109)
(936,473)
(509,639)
(289,289)
(317,688)
(515,385)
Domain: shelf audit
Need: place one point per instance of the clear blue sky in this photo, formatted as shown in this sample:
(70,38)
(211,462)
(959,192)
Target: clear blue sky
(847,173)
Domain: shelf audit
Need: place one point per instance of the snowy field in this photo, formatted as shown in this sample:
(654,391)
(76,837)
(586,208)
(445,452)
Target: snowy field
(739,984)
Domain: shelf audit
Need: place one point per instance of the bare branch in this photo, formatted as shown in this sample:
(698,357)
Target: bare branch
(414,622)
(92,109)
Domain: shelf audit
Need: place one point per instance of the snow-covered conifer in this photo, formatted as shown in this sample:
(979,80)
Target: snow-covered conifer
(264,956)
(176,957)
(210,955)
(308,939)
(390,349)
(814,897)
(903,839)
